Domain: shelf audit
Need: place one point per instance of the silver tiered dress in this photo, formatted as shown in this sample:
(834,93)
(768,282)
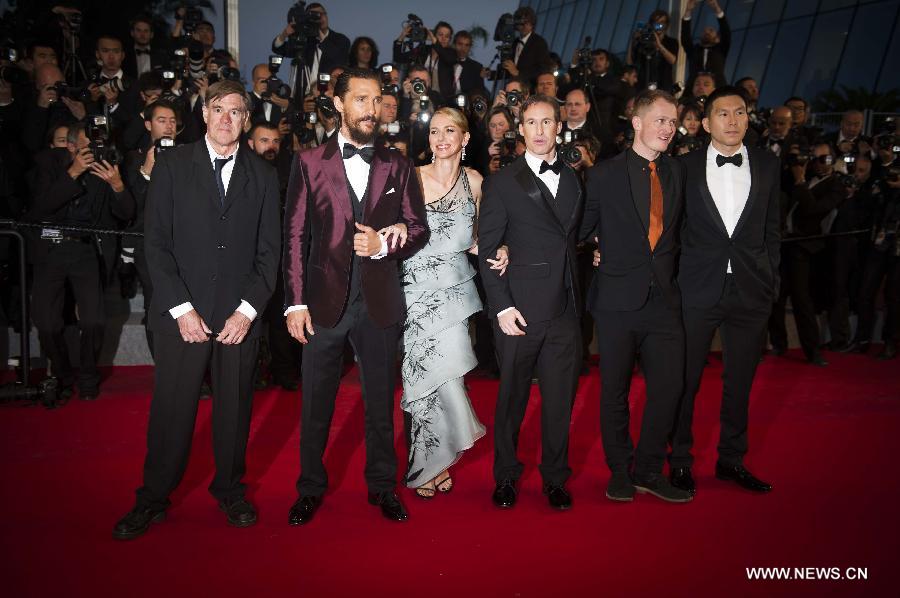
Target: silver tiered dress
(440,297)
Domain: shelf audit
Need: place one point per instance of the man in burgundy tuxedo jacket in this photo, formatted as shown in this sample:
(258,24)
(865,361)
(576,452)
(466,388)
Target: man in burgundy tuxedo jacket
(342,281)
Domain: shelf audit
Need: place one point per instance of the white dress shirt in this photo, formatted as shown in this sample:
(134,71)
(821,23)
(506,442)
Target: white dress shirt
(729,186)
(142,60)
(549,178)
(357,171)
(245,308)
(267,107)
(521,46)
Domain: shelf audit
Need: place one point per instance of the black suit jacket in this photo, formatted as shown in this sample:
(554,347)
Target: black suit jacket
(258,111)
(620,220)
(535,57)
(811,206)
(335,49)
(470,78)
(541,278)
(715,58)
(159,57)
(755,247)
(199,251)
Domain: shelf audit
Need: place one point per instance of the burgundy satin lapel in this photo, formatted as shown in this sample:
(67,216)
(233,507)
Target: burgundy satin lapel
(333,170)
(378,176)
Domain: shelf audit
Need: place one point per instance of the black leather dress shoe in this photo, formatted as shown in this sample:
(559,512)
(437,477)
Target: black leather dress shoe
(288,384)
(659,486)
(620,488)
(558,497)
(505,494)
(889,352)
(740,476)
(390,504)
(818,361)
(303,509)
(89,395)
(136,522)
(681,478)
(239,511)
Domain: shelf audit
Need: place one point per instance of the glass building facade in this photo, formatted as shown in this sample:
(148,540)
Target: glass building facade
(791,47)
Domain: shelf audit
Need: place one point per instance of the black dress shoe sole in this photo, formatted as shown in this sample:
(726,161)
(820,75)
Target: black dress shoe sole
(619,498)
(299,521)
(645,490)
(158,518)
(238,522)
(504,505)
(561,507)
(734,480)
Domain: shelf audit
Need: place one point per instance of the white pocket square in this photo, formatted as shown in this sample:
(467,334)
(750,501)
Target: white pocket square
(390,191)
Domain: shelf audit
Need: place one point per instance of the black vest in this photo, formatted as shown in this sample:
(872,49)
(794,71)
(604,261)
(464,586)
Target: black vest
(358,209)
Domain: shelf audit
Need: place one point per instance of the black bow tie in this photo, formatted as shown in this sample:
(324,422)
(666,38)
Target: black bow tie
(736,159)
(555,167)
(111,81)
(366,153)
(140,51)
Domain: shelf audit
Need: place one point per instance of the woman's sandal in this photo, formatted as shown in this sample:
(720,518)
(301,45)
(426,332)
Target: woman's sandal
(445,485)
(426,492)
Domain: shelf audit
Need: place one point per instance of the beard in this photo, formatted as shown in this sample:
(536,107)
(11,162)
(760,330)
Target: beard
(269,155)
(358,134)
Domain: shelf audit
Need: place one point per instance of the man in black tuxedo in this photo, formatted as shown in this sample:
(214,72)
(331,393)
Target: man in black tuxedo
(533,206)
(710,54)
(142,55)
(265,108)
(466,70)
(212,241)
(728,274)
(329,50)
(633,209)
(341,284)
(531,55)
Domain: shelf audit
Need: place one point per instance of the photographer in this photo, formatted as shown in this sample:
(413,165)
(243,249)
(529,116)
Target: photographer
(800,115)
(690,135)
(710,54)
(814,199)
(849,139)
(142,55)
(321,54)
(602,89)
(135,135)
(498,122)
(189,23)
(775,138)
(160,122)
(466,70)
(112,86)
(265,107)
(49,109)
(531,54)
(654,52)
(702,87)
(70,187)
(512,96)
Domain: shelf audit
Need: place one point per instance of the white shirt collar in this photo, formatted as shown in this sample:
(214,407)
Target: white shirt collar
(118,75)
(342,140)
(213,154)
(534,163)
(712,152)
(575,126)
(525,38)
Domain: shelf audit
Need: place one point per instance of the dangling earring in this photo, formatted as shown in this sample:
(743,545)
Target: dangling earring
(463,159)
(432,157)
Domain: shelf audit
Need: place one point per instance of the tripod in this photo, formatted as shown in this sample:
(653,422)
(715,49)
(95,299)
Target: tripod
(72,65)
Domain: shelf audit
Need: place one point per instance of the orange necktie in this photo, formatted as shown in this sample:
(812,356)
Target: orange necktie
(656,208)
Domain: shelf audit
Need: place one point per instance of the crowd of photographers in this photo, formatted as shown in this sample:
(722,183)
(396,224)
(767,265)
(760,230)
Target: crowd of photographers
(83,119)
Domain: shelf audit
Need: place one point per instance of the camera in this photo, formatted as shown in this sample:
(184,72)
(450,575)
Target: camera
(514,97)
(276,87)
(325,105)
(306,25)
(424,115)
(388,88)
(75,93)
(417,31)
(798,158)
(569,152)
(12,74)
(479,106)
(419,87)
(322,83)
(508,149)
(888,141)
(162,144)
(645,38)
(226,73)
(461,101)
(101,147)
(585,59)
(275,64)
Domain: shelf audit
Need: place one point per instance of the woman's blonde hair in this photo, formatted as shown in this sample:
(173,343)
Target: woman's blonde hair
(455,116)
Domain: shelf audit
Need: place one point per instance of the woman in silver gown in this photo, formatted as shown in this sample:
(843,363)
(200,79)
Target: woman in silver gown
(440,297)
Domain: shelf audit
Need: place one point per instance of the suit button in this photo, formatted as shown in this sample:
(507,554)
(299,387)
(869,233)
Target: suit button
(221,247)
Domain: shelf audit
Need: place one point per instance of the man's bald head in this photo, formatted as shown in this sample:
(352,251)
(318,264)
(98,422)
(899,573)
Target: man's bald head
(47,74)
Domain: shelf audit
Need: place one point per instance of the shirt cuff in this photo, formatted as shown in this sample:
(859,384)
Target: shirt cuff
(180,310)
(384,249)
(247,309)
(294,308)
(686,17)
(500,313)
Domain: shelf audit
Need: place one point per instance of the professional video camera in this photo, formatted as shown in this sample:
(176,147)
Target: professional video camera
(569,151)
(645,38)
(101,146)
(584,57)
(505,33)
(306,24)
(412,47)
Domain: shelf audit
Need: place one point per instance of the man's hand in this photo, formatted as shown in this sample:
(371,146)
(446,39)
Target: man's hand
(799,173)
(511,68)
(235,329)
(284,127)
(192,328)
(691,5)
(149,161)
(110,174)
(280,102)
(596,261)
(501,261)
(47,96)
(82,163)
(366,242)
(299,324)
(112,94)
(94,89)
(202,85)
(399,233)
(508,322)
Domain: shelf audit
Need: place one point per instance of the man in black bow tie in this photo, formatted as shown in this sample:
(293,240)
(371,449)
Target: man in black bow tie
(115,88)
(728,274)
(143,55)
(533,206)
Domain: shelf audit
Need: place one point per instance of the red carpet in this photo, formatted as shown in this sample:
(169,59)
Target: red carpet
(826,439)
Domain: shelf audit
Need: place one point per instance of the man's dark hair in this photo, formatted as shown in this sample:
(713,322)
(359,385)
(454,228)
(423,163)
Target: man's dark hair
(108,36)
(599,52)
(526,13)
(206,24)
(821,142)
(262,124)
(342,85)
(444,24)
(150,110)
(540,98)
(313,5)
(40,43)
(658,14)
(524,83)
(648,97)
(141,18)
(796,99)
(150,80)
(462,33)
(629,68)
(726,91)
(352,60)
(743,80)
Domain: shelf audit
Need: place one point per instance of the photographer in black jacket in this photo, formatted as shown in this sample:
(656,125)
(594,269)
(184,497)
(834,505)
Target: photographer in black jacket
(71,187)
